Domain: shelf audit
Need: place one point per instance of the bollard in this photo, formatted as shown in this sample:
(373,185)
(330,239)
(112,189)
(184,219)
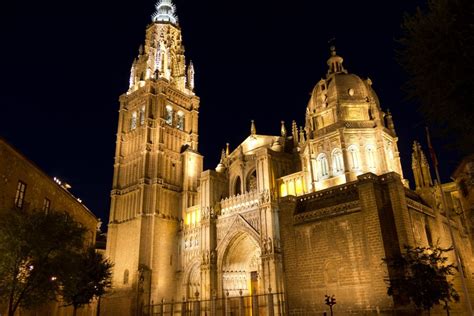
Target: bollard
(270,307)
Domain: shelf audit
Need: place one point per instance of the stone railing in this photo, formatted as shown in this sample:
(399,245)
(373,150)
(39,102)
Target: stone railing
(239,202)
(293,184)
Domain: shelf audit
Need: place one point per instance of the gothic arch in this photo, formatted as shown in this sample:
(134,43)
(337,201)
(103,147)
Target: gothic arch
(238,264)
(192,280)
(238,227)
(237,186)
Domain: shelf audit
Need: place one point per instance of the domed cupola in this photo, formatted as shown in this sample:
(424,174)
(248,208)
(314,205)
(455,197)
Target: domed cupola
(341,98)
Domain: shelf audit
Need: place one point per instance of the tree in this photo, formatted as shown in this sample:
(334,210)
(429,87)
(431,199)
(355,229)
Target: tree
(89,277)
(436,52)
(34,248)
(421,275)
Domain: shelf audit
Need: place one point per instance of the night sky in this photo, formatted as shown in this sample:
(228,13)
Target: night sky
(65,63)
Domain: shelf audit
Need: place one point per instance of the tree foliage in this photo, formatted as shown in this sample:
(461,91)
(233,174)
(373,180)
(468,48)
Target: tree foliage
(421,275)
(35,248)
(437,53)
(88,277)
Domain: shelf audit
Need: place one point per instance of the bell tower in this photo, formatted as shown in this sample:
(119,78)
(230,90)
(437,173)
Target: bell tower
(156,167)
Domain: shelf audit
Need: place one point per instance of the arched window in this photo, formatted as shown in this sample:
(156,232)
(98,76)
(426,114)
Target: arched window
(125,276)
(238,186)
(142,115)
(133,121)
(169,115)
(337,162)
(323,166)
(354,156)
(180,121)
(370,151)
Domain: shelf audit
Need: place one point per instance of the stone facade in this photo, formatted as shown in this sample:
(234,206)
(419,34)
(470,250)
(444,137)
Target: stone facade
(304,213)
(39,193)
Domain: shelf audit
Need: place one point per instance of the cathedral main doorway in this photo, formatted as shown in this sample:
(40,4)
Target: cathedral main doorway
(241,267)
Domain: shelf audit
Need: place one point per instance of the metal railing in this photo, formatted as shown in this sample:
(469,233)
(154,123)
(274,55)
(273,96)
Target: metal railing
(271,304)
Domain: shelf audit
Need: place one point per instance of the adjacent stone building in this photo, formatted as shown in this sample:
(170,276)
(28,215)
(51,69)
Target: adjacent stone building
(24,186)
(309,212)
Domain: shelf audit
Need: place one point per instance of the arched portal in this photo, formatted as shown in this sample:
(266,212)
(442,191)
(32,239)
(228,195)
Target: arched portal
(241,266)
(194,282)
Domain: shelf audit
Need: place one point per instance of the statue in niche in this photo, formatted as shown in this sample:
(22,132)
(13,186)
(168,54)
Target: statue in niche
(252,183)
(270,245)
(213,256)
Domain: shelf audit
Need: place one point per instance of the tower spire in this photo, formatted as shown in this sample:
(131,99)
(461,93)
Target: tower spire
(283,129)
(253,129)
(420,167)
(165,12)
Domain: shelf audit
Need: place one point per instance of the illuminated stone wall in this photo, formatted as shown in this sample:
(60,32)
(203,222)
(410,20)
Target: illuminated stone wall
(334,240)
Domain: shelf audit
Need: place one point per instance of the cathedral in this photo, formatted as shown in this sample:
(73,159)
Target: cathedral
(283,219)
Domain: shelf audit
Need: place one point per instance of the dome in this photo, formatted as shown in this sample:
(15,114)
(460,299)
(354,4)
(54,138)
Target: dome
(341,88)
(342,97)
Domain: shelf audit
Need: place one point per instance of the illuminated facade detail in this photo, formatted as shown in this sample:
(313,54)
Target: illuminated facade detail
(133,121)
(180,120)
(321,204)
(169,115)
(354,157)
(337,162)
(142,115)
(370,152)
(132,76)
(323,166)
(165,12)
(191,76)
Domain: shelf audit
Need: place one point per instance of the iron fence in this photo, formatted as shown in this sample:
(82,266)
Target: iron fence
(271,304)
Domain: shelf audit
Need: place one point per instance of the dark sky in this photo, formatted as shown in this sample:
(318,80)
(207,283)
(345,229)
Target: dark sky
(65,63)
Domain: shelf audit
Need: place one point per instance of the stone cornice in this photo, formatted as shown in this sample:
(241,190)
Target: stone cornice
(327,212)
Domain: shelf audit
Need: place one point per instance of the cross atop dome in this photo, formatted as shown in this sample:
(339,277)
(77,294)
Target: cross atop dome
(165,12)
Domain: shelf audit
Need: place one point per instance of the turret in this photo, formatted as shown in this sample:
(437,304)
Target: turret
(420,167)
(283,129)
(190,79)
(389,121)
